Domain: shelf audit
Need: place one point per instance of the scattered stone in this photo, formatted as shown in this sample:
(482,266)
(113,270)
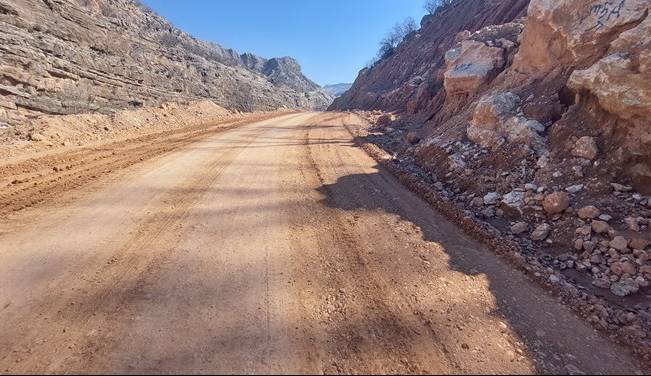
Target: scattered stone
(543,162)
(616,268)
(513,198)
(586,147)
(624,287)
(578,244)
(578,171)
(595,259)
(621,188)
(554,279)
(519,228)
(491,198)
(619,243)
(575,188)
(413,138)
(541,232)
(600,227)
(589,246)
(602,283)
(605,217)
(632,223)
(530,187)
(641,281)
(589,212)
(477,202)
(645,269)
(628,267)
(584,231)
(488,212)
(639,243)
(556,203)
(470,65)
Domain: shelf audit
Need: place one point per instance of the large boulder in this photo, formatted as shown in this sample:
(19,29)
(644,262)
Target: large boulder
(605,46)
(479,57)
(519,129)
(556,203)
(573,33)
(490,116)
(471,65)
(496,121)
(621,83)
(586,147)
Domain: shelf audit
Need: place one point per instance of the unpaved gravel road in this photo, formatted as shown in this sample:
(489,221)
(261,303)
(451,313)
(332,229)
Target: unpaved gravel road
(276,246)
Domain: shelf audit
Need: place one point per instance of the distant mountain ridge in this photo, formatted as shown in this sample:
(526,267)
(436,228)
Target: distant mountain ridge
(337,90)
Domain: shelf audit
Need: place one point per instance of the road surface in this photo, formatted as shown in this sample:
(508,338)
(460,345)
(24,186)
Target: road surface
(275,246)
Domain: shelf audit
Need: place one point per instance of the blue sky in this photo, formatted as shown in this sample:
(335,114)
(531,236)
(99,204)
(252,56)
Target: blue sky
(332,39)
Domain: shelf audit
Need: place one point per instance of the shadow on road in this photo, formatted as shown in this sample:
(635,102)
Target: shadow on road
(554,337)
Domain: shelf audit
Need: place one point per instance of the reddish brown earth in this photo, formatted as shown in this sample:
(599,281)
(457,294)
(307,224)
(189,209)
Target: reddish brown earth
(518,116)
(269,245)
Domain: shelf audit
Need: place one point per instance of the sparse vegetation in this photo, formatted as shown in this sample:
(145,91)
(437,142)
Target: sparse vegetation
(397,34)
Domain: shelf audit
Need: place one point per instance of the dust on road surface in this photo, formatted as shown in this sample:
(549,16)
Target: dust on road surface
(276,246)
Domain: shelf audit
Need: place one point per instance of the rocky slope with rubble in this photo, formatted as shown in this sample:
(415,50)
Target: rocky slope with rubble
(61,57)
(537,128)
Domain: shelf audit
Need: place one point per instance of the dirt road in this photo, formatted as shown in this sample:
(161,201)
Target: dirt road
(276,246)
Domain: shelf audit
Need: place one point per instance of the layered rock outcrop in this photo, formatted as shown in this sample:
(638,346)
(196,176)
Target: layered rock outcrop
(75,56)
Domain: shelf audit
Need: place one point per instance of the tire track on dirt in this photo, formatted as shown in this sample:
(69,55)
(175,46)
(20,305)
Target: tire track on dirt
(395,335)
(110,289)
(35,181)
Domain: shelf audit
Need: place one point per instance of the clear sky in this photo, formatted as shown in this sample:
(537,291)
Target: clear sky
(332,39)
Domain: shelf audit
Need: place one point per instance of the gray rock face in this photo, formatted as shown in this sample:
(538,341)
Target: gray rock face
(285,71)
(337,90)
(75,56)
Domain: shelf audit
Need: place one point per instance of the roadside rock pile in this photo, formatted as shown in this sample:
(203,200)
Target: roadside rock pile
(538,129)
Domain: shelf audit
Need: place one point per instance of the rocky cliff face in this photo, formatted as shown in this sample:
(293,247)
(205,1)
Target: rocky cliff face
(74,56)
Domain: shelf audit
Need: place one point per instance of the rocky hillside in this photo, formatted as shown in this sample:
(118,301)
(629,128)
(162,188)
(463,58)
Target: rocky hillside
(408,79)
(75,56)
(532,119)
